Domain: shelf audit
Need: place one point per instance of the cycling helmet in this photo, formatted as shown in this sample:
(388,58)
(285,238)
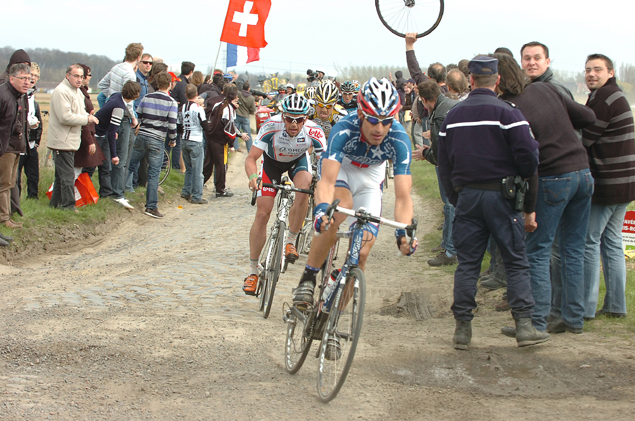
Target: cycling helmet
(379,98)
(355,85)
(309,92)
(290,85)
(347,87)
(327,93)
(294,104)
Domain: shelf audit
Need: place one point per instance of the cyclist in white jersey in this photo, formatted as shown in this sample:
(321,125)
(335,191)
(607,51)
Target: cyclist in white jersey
(282,142)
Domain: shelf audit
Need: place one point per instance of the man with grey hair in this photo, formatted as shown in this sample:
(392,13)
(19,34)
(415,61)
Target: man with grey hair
(68,115)
(13,135)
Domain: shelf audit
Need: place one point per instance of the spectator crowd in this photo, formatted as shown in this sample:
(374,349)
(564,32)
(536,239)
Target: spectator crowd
(577,191)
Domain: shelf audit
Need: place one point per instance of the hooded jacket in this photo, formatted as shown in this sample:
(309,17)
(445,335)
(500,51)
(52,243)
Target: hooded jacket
(68,115)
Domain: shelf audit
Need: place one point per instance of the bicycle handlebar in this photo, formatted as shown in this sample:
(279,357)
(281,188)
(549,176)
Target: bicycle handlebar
(361,212)
(287,187)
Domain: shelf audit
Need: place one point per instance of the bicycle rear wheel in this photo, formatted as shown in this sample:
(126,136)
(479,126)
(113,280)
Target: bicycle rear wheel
(273,271)
(298,344)
(165,167)
(403,16)
(341,335)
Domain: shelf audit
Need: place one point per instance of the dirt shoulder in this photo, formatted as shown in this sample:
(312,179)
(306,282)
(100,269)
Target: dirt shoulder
(150,322)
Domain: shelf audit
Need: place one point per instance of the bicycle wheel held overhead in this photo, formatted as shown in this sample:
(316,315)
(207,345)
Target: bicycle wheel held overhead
(403,16)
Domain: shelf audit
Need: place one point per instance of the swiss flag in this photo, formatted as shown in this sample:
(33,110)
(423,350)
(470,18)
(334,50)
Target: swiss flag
(245,23)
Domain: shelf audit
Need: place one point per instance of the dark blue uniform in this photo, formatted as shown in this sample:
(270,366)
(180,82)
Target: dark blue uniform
(482,140)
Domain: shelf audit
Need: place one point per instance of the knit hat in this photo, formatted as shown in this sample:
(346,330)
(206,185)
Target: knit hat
(19,56)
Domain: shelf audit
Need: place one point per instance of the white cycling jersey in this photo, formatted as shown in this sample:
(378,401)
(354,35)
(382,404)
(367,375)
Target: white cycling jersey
(274,140)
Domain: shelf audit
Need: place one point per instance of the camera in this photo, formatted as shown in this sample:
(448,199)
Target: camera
(311,75)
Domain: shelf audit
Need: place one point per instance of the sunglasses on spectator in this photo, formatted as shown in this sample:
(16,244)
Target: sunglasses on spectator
(374,120)
(146,62)
(296,120)
(327,106)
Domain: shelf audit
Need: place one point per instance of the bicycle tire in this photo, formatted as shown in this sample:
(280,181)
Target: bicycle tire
(403,16)
(262,282)
(298,343)
(273,272)
(163,175)
(306,232)
(346,326)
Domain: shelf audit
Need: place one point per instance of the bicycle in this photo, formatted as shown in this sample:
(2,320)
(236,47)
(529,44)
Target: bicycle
(272,259)
(165,167)
(337,314)
(403,16)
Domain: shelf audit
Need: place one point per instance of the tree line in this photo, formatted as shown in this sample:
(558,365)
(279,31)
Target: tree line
(53,64)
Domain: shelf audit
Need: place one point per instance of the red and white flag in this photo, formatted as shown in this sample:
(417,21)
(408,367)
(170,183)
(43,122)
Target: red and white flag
(245,23)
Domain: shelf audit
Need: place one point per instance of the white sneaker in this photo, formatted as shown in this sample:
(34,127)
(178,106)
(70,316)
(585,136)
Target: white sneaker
(123,202)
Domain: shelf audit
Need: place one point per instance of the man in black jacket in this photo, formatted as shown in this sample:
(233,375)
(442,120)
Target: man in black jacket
(438,106)
(13,132)
(30,160)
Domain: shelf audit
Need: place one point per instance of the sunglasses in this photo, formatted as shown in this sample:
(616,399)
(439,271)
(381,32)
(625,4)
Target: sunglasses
(296,120)
(327,106)
(374,120)
(146,62)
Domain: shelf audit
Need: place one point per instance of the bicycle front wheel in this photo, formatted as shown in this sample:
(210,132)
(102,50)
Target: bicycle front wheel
(403,16)
(341,335)
(273,271)
(298,344)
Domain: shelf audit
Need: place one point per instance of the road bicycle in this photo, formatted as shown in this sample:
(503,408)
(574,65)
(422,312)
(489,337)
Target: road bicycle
(403,16)
(272,259)
(303,241)
(336,316)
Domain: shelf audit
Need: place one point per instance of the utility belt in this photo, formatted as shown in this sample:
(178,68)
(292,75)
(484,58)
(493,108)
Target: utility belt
(512,188)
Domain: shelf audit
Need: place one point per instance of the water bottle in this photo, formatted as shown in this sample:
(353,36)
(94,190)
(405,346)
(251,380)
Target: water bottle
(329,290)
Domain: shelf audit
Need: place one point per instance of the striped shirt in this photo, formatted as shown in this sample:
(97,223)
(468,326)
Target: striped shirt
(117,77)
(610,145)
(157,115)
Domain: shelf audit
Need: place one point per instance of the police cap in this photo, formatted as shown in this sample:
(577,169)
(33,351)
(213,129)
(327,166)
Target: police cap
(483,65)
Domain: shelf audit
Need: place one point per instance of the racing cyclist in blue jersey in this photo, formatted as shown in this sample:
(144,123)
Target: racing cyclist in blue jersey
(353,170)
(348,100)
(282,143)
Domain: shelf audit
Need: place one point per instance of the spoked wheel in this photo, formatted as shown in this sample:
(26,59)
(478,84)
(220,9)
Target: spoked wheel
(303,242)
(262,281)
(165,167)
(341,335)
(403,16)
(298,344)
(274,261)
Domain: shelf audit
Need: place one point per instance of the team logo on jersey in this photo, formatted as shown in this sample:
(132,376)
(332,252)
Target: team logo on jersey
(316,133)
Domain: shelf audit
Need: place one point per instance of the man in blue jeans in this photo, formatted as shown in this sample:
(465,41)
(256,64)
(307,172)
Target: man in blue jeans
(157,115)
(246,107)
(438,106)
(611,152)
(194,123)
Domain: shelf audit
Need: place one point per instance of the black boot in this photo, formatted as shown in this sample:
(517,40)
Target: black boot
(527,335)
(462,334)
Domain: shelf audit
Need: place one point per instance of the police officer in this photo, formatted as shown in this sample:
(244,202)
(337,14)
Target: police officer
(482,141)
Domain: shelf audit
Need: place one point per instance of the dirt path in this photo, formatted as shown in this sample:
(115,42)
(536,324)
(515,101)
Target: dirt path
(151,323)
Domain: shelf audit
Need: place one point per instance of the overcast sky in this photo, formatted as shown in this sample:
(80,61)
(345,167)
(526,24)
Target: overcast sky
(323,33)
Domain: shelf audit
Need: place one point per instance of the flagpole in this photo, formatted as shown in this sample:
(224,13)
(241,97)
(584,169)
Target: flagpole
(220,44)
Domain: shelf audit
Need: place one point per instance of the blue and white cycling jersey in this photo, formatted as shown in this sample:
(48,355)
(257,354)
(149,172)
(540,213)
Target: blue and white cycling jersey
(345,145)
